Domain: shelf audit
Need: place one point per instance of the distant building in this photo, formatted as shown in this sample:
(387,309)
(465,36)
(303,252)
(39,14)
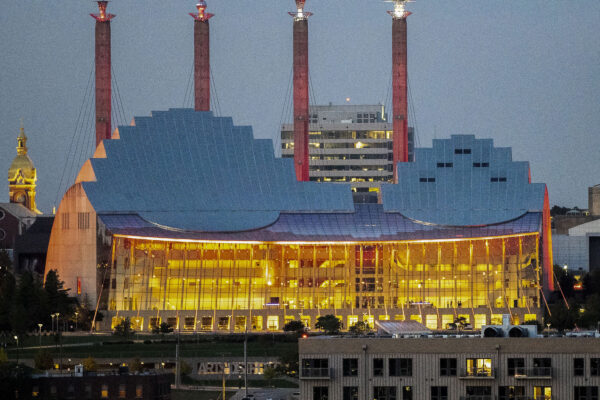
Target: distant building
(576,236)
(110,386)
(351,144)
(500,368)
(17,216)
(14,221)
(22,176)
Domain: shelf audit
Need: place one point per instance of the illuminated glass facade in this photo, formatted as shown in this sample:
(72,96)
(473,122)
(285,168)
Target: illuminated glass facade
(431,281)
(185,218)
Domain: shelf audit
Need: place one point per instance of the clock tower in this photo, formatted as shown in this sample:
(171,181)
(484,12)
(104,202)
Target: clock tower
(22,176)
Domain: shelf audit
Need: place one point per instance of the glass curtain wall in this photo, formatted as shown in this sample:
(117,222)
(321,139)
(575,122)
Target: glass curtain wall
(407,277)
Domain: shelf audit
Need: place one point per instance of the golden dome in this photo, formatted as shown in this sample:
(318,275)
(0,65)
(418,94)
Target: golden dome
(22,162)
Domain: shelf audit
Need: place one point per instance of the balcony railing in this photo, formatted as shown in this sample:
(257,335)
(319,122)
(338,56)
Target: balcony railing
(315,373)
(534,373)
(478,397)
(478,373)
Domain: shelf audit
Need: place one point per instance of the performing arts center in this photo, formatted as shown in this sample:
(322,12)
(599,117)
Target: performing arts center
(185,218)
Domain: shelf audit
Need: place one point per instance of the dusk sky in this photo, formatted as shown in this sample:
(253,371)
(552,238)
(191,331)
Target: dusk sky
(526,74)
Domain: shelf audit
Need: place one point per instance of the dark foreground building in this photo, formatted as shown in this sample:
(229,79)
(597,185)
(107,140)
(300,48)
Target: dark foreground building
(146,386)
(452,368)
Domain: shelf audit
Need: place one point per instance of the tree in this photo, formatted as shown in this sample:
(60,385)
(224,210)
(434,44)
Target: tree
(89,364)
(590,318)
(535,322)
(288,360)
(124,329)
(57,296)
(165,328)
(184,368)
(135,365)
(329,323)
(5,262)
(269,373)
(294,326)
(3,356)
(360,328)
(43,360)
(562,317)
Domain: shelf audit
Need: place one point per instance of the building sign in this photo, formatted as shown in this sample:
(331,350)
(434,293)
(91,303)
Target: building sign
(233,368)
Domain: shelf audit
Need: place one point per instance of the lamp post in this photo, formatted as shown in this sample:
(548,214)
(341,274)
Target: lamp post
(17,339)
(76,318)
(40,334)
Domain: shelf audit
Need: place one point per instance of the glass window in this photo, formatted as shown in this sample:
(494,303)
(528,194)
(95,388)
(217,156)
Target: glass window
(439,393)
(320,393)
(578,366)
(350,393)
(350,367)
(407,393)
(516,366)
(586,393)
(479,392)
(542,367)
(384,393)
(479,367)
(542,392)
(400,366)
(511,392)
(104,392)
(35,391)
(595,366)
(447,366)
(122,392)
(315,368)
(139,391)
(378,367)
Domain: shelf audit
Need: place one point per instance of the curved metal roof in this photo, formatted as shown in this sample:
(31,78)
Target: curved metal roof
(191,170)
(183,171)
(368,223)
(463,181)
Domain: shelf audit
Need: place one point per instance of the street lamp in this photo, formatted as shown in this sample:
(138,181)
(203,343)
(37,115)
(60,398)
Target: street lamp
(17,339)
(40,334)
(76,318)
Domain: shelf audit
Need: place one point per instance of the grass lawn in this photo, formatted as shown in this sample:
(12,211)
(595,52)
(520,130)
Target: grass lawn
(258,348)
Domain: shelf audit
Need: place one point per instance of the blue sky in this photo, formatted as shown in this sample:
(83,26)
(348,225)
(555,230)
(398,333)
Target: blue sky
(523,73)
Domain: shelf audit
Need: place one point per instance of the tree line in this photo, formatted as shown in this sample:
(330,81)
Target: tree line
(26,301)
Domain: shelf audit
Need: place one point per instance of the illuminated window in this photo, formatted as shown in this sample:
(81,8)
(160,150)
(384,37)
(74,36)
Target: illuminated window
(479,367)
(139,391)
(272,322)
(542,392)
(104,392)
(122,392)
(35,391)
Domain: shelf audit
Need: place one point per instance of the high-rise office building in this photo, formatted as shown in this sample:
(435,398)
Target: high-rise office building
(349,143)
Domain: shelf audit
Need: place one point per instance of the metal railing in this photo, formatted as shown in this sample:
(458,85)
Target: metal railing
(478,397)
(535,372)
(315,373)
(484,373)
